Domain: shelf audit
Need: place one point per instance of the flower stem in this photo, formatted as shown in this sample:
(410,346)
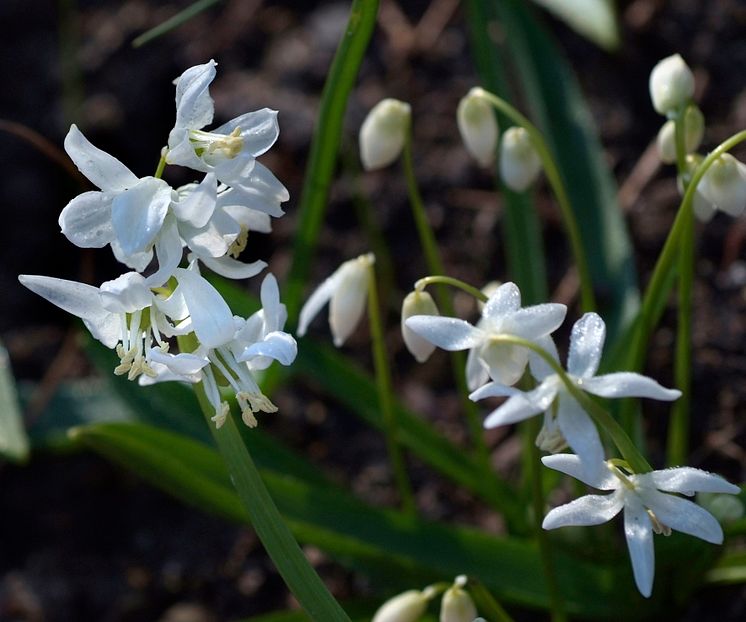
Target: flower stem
(587,297)
(385,396)
(449,280)
(486,603)
(678,429)
(161,166)
(602,418)
(659,286)
(266,519)
(435,267)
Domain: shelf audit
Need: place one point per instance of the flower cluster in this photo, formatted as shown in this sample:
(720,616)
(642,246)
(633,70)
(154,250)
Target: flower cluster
(456,605)
(151,227)
(509,340)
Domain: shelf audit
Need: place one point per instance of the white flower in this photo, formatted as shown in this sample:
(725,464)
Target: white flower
(417,303)
(127,213)
(694,129)
(502,315)
(671,85)
(478,126)
(457,605)
(383,133)
(228,151)
(115,315)
(569,422)
(405,607)
(648,507)
(346,291)
(723,185)
(520,164)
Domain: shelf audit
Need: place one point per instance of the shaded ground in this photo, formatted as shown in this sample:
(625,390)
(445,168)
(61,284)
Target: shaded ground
(84,541)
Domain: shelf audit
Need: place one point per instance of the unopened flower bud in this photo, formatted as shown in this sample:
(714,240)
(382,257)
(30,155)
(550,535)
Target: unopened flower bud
(671,84)
(724,185)
(383,132)
(694,129)
(478,126)
(457,606)
(519,162)
(417,303)
(405,607)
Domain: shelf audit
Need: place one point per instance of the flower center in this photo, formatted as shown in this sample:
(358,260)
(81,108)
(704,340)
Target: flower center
(239,244)
(136,338)
(226,146)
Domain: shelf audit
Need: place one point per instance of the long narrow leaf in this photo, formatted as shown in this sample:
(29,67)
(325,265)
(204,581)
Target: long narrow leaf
(594,19)
(411,550)
(13,440)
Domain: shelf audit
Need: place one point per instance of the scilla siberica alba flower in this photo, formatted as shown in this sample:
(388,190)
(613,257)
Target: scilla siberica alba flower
(519,161)
(417,303)
(478,126)
(671,85)
(346,291)
(501,315)
(723,186)
(648,503)
(569,423)
(457,605)
(694,130)
(408,606)
(383,133)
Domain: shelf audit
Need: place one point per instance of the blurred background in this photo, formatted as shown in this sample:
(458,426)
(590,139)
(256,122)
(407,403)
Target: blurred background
(83,540)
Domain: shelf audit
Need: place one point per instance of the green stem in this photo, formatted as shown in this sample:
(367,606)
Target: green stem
(545,547)
(678,430)
(325,145)
(449,280)
(266,519)
(486,603)
(385,396)
(435,267)
(602,418)
(587,298)
(161,166)
(659,286)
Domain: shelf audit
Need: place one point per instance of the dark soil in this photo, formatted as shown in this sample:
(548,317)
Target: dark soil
(83,540)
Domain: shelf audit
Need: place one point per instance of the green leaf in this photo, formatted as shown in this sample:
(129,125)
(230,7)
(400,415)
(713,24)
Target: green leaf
(594,19)
(13,440)
(173,22)
(408,550)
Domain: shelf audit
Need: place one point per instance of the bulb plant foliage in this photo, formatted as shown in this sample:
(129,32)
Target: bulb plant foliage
(168,323)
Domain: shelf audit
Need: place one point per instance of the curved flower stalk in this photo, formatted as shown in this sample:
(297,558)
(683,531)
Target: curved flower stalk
(346,291)
(502,315)
(566,422)
(648,503)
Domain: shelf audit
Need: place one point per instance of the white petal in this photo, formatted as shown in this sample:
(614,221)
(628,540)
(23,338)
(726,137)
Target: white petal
(126,294)
(197,207)
(628,384)
(493,389)
(104,170)
(595,475)
(253,199)
(138,213)
(259,130)
(232,268)
(86,220)
(684,516)
(506,299)
(263,183)
(506,362)
(639,532)
(537,321)
(348,300)
(275,313)
(320,296)
(181,364)
(194,106)
(517,408)
(79,299)
(251,219)
(688,480)
(169,250)
(476,371)
(212,319)
(135,261)
(276,345)
(579,431)
(586,345)
(448,333)
(585,511)
(540,369)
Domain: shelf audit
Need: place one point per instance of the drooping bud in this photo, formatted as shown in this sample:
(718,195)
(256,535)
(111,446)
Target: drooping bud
(724,185)
(457,605)
(417,303)
(478,126)
(671,84)
(405,607)
(520,164)
(694,129)
(383,132)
